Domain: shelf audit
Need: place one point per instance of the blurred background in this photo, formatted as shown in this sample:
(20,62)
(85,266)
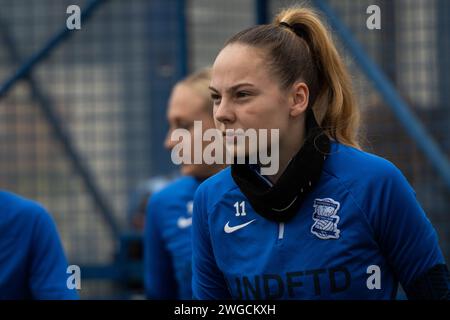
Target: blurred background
(82,112)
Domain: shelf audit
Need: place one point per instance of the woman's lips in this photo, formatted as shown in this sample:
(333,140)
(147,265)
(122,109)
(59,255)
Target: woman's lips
(231,135)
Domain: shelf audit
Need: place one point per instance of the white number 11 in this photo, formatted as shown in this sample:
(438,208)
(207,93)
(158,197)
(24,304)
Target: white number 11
(242,207)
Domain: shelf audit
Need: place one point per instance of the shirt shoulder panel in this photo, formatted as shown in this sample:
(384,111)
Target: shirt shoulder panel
(215,187)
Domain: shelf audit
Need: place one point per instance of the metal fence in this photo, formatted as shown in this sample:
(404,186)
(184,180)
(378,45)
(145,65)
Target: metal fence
(412,50)
(82,112)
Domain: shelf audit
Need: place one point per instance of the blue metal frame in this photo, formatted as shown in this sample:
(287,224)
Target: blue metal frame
(167,66)
(402,111)
(262,11)
(182,39)
(46,106)
(40,55)
(121,269)
(444,48)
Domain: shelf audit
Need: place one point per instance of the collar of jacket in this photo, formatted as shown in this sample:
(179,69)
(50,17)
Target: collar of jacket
(280,202)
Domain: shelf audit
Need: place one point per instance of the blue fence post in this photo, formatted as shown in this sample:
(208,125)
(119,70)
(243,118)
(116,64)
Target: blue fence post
(444,52)
(387,47)
(168,64)
(411,124)
(182,39)
(262,11)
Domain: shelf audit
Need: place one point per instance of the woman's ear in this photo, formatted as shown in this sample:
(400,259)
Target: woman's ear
(300,98)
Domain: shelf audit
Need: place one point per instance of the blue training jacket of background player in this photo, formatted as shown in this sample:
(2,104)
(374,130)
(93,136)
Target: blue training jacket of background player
(167,245)
(362,220)
(32,260)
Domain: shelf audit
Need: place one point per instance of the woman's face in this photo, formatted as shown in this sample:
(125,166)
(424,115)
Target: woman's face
(185,107)
(247,96)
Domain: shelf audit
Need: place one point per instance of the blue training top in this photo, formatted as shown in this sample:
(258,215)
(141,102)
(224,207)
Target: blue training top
(357,234)
(32,260)
(167,245)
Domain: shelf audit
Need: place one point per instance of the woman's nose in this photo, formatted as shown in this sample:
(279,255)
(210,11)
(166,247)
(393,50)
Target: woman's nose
(224,113)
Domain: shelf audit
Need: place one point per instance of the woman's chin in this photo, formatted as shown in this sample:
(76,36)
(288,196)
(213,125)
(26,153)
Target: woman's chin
(195,170)
(242,153)
(188,170)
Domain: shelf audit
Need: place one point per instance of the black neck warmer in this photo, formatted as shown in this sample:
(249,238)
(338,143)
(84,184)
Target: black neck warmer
(281,201)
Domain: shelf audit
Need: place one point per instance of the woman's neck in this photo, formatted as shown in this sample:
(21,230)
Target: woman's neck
(288,149)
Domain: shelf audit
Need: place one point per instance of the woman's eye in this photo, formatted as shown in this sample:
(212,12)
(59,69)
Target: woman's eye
(242,94)
(184,125)
(215,98)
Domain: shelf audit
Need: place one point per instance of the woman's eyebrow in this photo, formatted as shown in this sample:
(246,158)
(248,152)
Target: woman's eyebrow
(233,88)
(213,89)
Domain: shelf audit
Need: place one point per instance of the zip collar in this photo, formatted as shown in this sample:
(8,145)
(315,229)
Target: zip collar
(280,201)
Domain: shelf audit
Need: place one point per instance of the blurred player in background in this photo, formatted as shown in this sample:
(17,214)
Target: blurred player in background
(32,260)
(167,244)
(334,222)
(139,200)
